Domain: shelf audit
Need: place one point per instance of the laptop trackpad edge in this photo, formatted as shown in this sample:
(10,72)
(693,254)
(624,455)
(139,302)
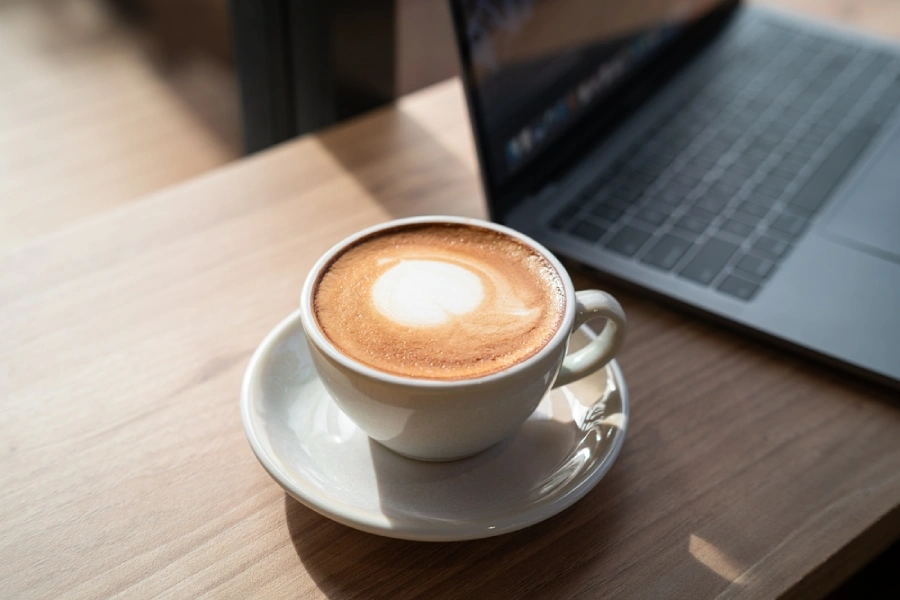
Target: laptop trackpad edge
(868,218)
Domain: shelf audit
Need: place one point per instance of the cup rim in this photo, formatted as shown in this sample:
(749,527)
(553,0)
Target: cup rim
(315,335)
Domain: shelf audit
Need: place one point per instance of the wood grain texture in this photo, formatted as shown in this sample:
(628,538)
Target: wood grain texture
(124,469)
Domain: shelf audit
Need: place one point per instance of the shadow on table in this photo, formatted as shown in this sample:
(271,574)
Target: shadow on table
(346,563)
(432,180)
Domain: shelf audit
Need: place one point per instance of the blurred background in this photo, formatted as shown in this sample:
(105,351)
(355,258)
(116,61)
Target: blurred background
(108,100)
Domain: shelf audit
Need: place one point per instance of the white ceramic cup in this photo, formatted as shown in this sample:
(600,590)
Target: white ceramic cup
(428,419)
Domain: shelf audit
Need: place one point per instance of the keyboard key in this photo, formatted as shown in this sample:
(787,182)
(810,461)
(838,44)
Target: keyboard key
(627,192)
(764,191)
(692,224)
(704,163)
(801,212)
(776,182)
(603,179)
(788,224)
(726,188)
(824,126)
(720,192)
(772,136)
(762,147)
(667,251)
(747,218)
(662,158)
(707,263)
(756,153)
(564,216)
(679,188)
(732,132)
(792,163)
(887,102)
(652,216)
(701,213)
(765,201)
(589,231)
(739,288)
(607,212)
(819,186)
(816,135)
(758,268)
(688,180)
(711,203)
(794,113)
(781,128)
(586,196)
(780,170)
(741,171)
(737,228)
(771,246)
(804,149)
(643,176)
(612,169)
(669,196)
(615,199)
(695,126)
(718,146)
(880,111)
(628,241)
(744,119)
(751,209)
(758,105)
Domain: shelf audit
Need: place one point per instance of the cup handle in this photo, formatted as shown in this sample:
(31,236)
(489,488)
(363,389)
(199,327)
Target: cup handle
(590,304)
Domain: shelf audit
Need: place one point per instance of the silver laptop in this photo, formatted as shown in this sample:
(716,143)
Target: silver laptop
(740,161)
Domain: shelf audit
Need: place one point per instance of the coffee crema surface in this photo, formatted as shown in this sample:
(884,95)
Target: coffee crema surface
(439,301)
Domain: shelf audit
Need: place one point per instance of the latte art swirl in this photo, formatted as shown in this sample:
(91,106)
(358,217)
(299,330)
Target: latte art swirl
(424,293)
(439,301)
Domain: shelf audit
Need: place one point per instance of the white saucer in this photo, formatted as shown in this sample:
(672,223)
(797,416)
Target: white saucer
(323,460)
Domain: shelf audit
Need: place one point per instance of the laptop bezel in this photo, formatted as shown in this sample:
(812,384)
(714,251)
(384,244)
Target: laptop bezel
(556,159)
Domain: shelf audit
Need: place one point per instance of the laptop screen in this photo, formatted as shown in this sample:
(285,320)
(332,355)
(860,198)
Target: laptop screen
(536,68)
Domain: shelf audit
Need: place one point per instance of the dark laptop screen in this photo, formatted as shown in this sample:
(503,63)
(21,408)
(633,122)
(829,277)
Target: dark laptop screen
(537,67)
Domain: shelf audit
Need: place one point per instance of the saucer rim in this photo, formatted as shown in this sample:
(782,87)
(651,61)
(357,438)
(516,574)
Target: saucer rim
(364,521)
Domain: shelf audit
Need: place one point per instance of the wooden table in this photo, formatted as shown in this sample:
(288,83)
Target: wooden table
(123,463)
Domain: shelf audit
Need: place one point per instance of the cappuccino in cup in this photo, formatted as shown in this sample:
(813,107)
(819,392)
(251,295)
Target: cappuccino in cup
(438,336)
(443,301)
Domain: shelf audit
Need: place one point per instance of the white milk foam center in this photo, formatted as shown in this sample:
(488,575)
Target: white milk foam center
(425,293)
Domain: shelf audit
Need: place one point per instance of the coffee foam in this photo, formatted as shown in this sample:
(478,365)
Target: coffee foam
(439,301)
(425,293)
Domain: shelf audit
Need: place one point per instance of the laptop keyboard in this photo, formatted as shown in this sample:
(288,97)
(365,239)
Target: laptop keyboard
(721,187)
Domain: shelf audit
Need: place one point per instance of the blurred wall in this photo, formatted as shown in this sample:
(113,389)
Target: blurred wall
(426,50)
(184,26)
(424,46)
